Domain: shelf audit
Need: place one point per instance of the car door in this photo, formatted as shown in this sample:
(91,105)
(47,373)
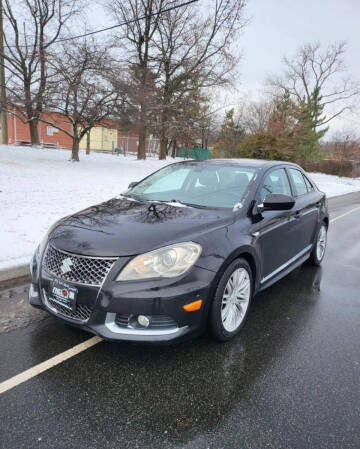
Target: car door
(306,209)
(275,232)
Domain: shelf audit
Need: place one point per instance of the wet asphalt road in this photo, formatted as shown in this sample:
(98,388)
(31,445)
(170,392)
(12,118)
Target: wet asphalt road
(290,380)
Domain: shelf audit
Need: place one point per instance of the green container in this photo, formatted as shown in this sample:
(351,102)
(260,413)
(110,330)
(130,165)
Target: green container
(193,153)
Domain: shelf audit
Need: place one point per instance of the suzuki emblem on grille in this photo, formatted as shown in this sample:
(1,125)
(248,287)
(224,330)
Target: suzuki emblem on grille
(66,265)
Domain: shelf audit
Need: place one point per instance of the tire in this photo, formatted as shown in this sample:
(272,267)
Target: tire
(230,306)
(319,248)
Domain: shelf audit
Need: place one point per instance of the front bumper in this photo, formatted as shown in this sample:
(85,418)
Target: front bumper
(161,298)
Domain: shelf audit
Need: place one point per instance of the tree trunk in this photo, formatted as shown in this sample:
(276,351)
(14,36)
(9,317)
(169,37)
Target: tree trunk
(174,145)
(34,133)
(163,145)
(163,138)
(142,143)
(88,142)
(31,114)
(75,150)
(142,134)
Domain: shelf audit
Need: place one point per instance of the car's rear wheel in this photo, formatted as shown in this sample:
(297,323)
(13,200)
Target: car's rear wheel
(318,251)
(232,300)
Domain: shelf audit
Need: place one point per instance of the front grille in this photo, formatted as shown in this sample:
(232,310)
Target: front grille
(82,312)
(76,268)
(156,322)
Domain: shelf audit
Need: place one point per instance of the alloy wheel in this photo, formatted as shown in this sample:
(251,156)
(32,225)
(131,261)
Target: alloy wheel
(321,243)
(235,300)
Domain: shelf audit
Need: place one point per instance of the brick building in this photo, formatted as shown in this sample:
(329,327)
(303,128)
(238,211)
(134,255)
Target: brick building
(104,137)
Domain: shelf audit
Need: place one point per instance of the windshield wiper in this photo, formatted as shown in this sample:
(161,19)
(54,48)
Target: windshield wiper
(169,202)
(198,206)
(177,201)
(132,197)
(174,200)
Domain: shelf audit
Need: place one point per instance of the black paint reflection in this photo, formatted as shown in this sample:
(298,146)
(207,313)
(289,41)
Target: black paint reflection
(124,227)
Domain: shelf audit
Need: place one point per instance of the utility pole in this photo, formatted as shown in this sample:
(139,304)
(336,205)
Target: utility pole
(4,125)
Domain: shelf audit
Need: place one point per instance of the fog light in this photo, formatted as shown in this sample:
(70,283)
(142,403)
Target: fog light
(143,320)
(193,306)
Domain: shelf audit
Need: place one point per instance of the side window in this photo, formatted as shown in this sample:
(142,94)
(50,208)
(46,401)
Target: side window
(309,186)
(275,182)
(299,181)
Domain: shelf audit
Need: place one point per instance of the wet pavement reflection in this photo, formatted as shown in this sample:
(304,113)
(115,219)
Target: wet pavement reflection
(290,380)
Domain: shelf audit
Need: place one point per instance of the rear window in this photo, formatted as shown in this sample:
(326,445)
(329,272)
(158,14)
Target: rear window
(308,183)
(299,181)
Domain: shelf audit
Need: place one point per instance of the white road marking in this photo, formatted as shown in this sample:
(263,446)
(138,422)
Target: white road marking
(41,367)
(56,360)
(344,215)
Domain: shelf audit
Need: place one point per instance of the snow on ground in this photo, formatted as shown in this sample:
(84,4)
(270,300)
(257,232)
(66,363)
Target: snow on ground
(39,186)
(335,185)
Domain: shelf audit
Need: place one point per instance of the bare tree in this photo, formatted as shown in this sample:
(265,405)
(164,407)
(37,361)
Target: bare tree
(318,74)
(190,123)
(135,38)
(256,116)
(344,145)
(33,26)
(194,52)
(82,89)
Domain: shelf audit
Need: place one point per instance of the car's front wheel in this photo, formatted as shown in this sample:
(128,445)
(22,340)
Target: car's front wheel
(318,251)
(232,300)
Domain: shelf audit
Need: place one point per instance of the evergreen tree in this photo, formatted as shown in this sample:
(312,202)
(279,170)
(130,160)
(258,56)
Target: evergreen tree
(308,133)
(230,136)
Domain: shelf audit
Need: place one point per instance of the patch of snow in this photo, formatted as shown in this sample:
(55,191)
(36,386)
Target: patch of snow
(335,185)
(39,186)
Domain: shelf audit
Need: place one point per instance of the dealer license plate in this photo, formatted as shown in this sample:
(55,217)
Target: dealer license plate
(64,294)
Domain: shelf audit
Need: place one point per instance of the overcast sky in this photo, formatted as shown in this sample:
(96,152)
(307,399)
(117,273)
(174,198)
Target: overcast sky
(279,27)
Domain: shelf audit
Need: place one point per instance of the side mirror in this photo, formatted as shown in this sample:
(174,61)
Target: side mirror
(132,184)
(277,201)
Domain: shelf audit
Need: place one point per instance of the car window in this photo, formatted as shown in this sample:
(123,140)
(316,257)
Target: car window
(308,184)
(171,181)
(276,182)
(203,184)
(231,175)
(299,181)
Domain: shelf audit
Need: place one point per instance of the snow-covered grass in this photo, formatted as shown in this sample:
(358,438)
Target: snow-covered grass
(39,186)
(335,185)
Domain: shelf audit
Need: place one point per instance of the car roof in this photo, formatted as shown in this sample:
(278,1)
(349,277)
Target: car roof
(255,163)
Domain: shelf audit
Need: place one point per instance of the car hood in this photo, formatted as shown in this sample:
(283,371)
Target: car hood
(122,227)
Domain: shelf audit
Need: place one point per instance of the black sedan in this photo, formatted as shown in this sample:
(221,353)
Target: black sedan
(183,250)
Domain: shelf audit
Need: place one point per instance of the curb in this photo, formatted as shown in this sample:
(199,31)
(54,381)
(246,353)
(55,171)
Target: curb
(14,272)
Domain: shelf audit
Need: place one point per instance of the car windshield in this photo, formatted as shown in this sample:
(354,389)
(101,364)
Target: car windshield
(196,184)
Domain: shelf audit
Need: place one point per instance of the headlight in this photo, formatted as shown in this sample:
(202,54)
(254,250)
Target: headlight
(43,243)
(167,262)
(34,263)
